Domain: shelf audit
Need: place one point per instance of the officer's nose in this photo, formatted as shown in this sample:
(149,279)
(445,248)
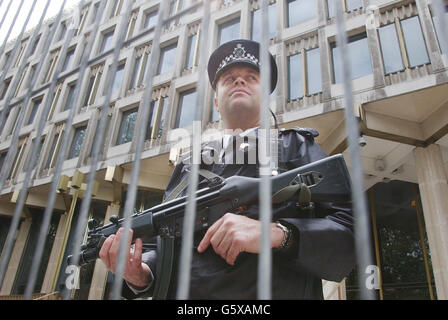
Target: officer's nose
(239,81)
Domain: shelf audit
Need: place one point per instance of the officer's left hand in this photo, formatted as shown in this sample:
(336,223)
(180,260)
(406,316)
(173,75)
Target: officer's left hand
(233,234)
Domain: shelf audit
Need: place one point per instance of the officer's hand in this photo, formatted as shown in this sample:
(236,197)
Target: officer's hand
(136,272)
(233,234)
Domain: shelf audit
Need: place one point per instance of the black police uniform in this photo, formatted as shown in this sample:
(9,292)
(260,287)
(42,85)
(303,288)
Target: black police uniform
(323,247)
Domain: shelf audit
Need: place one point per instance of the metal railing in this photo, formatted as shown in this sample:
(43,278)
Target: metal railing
(363,247)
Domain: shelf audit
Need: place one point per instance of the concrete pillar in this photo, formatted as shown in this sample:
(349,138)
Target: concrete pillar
(16,256)
(433,185)
(98,284)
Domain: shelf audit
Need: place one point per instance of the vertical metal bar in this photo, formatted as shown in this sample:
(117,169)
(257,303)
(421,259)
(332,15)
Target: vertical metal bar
(8,64)
(439,12)
(69,122)
(363,245)
(402,44)
(17,79)
(189,218)
(265,257)
(377,244)
(5,41)
(98,141)
(61,156)
(6,166)
(21,70)
(132,186)
(421,232)
(33,157)
(6,13)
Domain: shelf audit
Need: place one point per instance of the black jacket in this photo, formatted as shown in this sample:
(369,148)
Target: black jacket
(325,248)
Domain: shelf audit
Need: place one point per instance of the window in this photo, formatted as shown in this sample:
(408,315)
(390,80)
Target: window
(192,51)
(176,6)
(118,78)
(82,20)
(6,118)
(157,118)
(131,25)
(28,157)
(304,73)
(7,59)
(347,6)
(106,43)
(68,59)
(443,42)
(30,80)
(408,52)
(116,8)
(51,157)
(300,11)
(167,59)
(186,109)
(54,102)
(229,31)
(22,78)
(51,65)
(83,50)
(358,56)
(39,148)
(415,43)
(127,126)
(69,100)
(256,22)
(95,15)
(391,52)
(96,138)
(17,158)
(89,91)
(2,158)
(78,139)
(63,31)
(5,88)
(33,112)
(140,67)
(135,74)
(92,87)
(35,44)
(20,55)
(150,19)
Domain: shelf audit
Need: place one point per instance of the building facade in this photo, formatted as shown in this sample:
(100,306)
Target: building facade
(399,61)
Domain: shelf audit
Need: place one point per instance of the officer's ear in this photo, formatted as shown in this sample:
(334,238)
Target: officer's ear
(215,101)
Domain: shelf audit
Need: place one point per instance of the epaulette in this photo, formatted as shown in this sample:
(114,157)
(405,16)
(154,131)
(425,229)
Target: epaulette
(306,132)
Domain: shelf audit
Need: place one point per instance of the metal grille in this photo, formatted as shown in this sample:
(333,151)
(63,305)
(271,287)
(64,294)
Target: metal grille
(89,58)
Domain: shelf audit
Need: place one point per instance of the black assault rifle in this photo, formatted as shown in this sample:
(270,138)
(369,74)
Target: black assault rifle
(327,179)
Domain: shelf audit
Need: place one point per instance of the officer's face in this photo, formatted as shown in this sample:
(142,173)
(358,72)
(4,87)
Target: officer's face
(238,96)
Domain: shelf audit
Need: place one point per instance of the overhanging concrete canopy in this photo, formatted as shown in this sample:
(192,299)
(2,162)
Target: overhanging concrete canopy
(417,118)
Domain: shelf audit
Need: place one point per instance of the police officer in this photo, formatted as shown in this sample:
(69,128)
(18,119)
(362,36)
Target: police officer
(309,244)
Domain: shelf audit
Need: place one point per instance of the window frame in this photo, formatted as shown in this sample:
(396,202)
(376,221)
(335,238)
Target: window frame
(71,150)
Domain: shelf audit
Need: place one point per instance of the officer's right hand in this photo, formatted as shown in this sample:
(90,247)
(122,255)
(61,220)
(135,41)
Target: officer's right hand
(136,272)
